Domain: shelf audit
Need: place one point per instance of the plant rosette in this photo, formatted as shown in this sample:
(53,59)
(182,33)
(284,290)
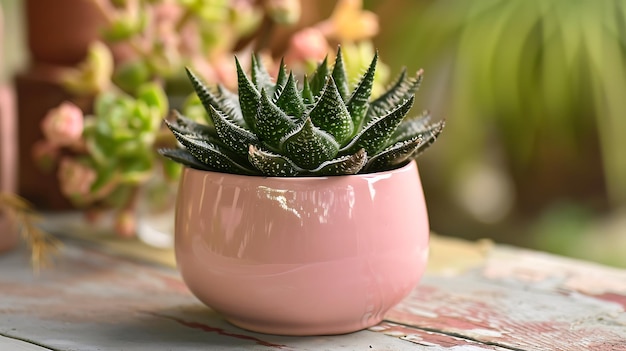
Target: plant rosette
(300,210)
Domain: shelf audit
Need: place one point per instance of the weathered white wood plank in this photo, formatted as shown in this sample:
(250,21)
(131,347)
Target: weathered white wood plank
(493,298)
(524,300)
(92,301)
(10,344)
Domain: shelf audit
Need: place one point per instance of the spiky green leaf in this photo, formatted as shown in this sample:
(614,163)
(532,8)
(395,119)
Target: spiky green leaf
(185,125)
(376,134)
(340,76)
(394,155)
(229,104)
(401,90)
(358,102)
(307,93)
(271,122)
(260,77)
(430,137)
(183,156)
(396,85)
(207,98)
(349,164)
(248,96)
(281,79)
(321,130)
(290,100)
(271,164)
(411,127)
(308,147)
(330,114)
(318,80)
(235,137)
(213,155)
(192,133)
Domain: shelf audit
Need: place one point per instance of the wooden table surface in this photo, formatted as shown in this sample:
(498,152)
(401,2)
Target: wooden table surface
(475,296)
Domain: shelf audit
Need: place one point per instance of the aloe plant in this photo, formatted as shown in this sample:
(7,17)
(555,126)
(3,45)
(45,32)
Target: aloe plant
(321,128)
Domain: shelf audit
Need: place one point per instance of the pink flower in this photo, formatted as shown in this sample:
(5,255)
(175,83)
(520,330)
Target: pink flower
(63,126)
(76,180)
(308,44)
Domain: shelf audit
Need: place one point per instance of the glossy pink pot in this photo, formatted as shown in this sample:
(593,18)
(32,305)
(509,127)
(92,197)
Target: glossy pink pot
(301,256)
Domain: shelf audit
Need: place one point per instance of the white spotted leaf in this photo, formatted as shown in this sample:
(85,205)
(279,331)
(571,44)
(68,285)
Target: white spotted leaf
(374,136)
(248,96)
(273,165)
(290,101)
(349,164)
(233,136)
(308,147)
(271,122)
(358,102)
(331,115)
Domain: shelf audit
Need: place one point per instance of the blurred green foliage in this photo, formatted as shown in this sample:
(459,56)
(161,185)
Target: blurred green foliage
(524,75)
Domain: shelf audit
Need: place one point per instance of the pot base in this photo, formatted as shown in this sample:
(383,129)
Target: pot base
(290,329)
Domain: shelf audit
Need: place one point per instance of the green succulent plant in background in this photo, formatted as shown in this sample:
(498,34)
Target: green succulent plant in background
(105,158)
(541,74)
(322,128)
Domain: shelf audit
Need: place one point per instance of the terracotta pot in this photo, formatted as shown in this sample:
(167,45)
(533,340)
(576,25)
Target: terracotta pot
(37,93)
(8,234)
(301,256)
(60,32)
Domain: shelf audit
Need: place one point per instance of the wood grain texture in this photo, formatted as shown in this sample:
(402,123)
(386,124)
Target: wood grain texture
(94,301)
(524,300)
(432,338)
(488,297)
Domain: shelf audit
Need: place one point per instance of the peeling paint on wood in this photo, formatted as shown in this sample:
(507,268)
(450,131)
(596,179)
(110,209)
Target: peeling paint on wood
(92,301)
(524,300)
(498,299)
(541,268)
(612,297)
(431,338)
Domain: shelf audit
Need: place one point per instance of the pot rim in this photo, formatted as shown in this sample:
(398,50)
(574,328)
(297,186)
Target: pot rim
(406,168)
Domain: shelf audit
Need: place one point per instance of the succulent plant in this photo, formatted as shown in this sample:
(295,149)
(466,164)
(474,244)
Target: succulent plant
(322,128)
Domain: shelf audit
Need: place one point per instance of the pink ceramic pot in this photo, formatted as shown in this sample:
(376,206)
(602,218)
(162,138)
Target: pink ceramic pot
(301,256)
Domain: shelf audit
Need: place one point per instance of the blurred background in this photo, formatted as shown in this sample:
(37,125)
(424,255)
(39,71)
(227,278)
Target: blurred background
(534,94)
